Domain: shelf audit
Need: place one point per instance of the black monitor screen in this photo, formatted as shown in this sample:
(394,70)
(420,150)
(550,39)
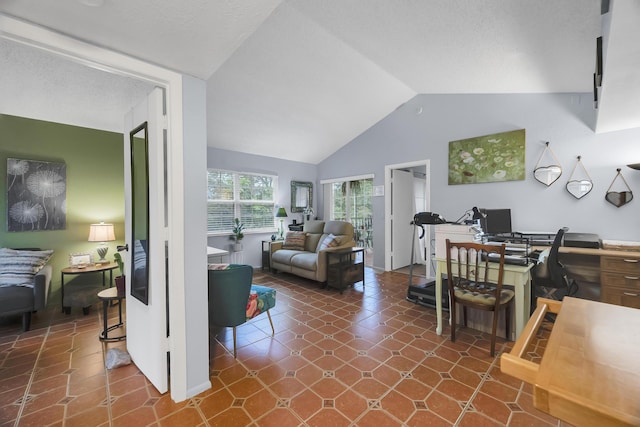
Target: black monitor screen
(497,221)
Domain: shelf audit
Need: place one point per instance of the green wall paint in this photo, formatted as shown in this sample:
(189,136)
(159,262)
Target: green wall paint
(95,185)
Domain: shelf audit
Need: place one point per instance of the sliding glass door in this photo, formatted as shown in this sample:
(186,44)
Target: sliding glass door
(352,201)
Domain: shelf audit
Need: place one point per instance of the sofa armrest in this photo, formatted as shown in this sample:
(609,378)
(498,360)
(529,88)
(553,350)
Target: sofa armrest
(41,285)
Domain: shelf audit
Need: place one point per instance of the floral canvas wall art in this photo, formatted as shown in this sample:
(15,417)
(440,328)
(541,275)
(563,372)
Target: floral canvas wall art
(36,195)
(490,158)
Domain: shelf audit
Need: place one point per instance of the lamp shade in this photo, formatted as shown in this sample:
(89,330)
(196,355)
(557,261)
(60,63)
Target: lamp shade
(101,233)
(281,213)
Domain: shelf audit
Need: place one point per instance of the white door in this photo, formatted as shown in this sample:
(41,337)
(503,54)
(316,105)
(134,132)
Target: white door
(402,211)
(145,233)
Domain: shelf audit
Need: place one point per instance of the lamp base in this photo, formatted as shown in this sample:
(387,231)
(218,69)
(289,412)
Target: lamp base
(102,253)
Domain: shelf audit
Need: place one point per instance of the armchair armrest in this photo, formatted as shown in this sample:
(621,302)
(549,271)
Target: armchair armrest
(41,285)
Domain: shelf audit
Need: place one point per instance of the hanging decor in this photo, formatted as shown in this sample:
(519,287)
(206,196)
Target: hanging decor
(548,172)
(36,195)
(619,198)
(490,158)
(580,183)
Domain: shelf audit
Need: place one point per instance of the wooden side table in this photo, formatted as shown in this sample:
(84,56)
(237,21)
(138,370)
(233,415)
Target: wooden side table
(83,290)
(108,296)
(345,267)
(268,247)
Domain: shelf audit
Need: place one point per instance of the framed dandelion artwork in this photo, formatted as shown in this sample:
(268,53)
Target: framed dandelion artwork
(36,195)
(491,158)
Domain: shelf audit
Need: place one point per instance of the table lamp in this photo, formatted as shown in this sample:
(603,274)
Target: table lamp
(281,214)
(102,233)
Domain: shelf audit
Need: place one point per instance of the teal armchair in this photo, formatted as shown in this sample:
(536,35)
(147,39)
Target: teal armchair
(233,299)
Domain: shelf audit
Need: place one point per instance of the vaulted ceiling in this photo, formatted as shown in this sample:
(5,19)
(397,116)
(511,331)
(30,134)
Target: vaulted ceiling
(298,79)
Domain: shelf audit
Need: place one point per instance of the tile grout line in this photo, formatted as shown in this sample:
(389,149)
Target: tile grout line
(31,378)
(477,389)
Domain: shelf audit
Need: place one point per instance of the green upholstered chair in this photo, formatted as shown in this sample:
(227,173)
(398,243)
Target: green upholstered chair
(233,299)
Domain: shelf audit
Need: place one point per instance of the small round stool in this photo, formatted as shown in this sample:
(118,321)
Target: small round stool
(107,296)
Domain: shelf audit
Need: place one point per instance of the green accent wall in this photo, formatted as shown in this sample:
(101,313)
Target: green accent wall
(95,185)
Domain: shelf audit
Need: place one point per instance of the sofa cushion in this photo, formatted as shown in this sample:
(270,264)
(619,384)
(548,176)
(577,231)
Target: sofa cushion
(294,240)
(330,241)
(283,256)
(17,267)
(305,260)
(338,228)
(314,227)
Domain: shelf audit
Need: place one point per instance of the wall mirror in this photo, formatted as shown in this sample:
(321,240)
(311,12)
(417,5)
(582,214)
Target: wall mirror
(301,196)
(139,267)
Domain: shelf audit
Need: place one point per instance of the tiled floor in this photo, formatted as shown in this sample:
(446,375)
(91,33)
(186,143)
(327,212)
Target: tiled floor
(366,357)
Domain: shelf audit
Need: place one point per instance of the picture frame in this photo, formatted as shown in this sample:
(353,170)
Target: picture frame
(80,259)
(497,157)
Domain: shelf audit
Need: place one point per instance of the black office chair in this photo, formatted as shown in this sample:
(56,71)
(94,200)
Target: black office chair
(549,278)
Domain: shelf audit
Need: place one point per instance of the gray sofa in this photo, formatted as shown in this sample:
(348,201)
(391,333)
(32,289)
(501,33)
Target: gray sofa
(16,299)
(311,262)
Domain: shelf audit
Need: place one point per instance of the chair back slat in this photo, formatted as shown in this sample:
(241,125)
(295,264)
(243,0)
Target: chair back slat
(474,264)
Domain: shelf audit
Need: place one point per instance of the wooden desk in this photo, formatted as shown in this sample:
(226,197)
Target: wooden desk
(590,371)
(616,271)
(516,276)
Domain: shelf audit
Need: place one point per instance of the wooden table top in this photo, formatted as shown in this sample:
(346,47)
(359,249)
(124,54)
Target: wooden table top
(590,371)
(90,268)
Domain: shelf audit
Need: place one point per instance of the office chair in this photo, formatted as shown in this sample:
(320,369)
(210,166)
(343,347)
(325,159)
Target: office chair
(470,284)
(549,278)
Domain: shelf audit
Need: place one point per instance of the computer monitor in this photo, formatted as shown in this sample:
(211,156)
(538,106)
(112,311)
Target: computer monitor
(496,221)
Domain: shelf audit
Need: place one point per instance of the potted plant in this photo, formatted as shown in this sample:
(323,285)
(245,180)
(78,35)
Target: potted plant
(237,235)
(120,280)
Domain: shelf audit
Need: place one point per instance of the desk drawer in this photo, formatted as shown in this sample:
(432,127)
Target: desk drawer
(620,265)
(621,280)
(621,296)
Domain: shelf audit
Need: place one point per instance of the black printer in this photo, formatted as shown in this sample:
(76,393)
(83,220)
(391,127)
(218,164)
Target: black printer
(582,240)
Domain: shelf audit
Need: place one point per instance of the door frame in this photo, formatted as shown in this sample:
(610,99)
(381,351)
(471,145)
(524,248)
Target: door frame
(387,207)
(189,359)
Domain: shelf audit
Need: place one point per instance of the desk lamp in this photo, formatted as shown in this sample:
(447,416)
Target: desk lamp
(102,233)
(281,214)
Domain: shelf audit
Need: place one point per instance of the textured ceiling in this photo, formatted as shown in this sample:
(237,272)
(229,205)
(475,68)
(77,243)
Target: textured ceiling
(298,79)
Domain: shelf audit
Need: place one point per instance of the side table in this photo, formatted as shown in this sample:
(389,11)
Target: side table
(345,267)
(268,246)
(107,296)
(80,290)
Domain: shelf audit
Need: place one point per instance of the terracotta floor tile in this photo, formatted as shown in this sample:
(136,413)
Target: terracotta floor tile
(366,357)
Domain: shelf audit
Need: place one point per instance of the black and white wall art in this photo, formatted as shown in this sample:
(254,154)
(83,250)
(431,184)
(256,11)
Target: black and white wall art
(36,195)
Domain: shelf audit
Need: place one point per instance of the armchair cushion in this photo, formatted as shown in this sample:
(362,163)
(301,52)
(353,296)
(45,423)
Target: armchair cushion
(18,267)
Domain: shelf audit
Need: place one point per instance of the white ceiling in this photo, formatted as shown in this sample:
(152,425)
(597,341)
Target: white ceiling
(298,79)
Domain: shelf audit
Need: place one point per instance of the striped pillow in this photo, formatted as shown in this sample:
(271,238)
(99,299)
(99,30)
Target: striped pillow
(330,241)
(18,267)
(294,240)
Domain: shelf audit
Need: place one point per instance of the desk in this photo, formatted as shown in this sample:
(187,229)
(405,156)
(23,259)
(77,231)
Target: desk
(215,255)
(590,371)
(516,276)
(616,271)
(74,295)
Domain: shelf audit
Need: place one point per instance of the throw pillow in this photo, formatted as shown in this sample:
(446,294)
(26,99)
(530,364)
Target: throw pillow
(218,266)
(294,240)
(18,267)
(330,241)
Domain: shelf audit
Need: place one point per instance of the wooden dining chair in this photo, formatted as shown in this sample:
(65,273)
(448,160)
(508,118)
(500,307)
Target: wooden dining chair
(475,273)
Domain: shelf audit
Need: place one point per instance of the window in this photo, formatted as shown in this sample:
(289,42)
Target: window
(249,197)
(352,201)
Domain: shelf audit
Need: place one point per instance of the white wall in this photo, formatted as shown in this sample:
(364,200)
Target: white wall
(423,127)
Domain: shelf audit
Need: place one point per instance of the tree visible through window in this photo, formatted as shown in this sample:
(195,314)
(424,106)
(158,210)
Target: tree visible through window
(249,197)
(352,201)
